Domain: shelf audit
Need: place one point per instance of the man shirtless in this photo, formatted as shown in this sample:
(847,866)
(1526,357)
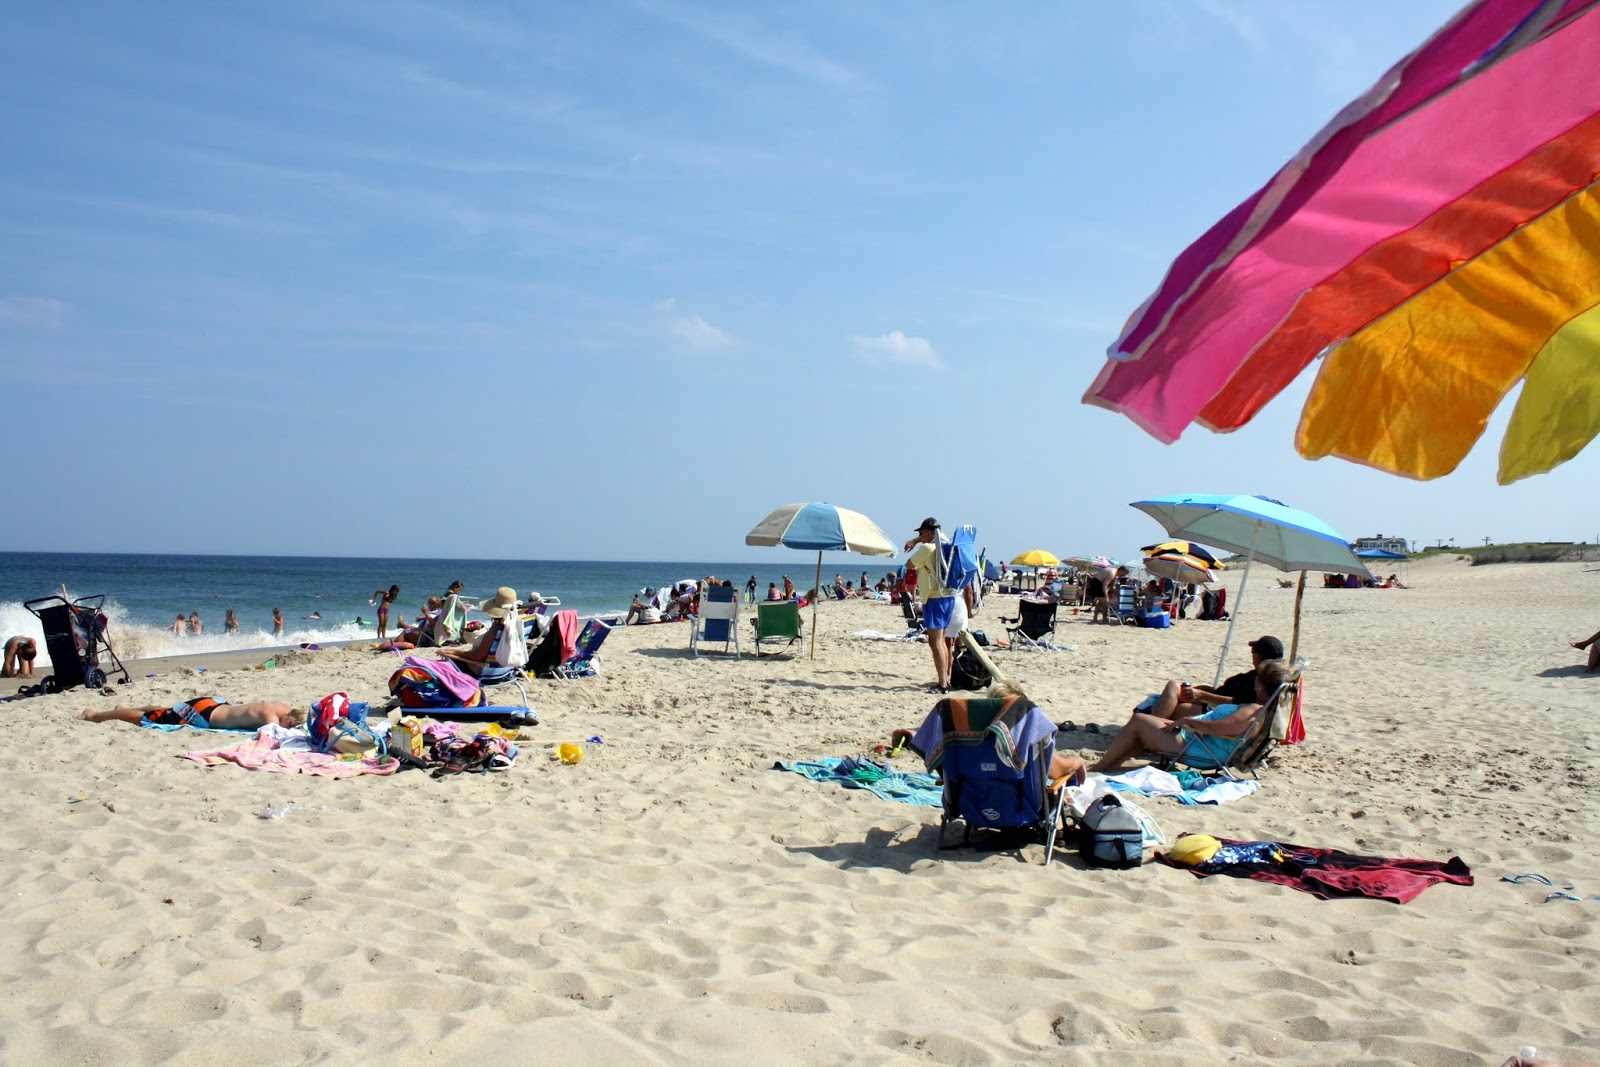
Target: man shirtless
(20,652)
(205,713)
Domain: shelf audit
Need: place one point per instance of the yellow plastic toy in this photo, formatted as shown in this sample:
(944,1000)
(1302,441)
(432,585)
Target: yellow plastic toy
(569,752)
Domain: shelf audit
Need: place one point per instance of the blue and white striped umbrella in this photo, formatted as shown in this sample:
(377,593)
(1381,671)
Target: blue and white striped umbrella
(823,528)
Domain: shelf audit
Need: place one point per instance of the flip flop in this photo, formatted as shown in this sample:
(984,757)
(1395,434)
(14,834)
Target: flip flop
(1066,726)
(1091,727)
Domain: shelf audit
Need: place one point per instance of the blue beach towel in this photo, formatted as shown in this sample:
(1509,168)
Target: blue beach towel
(171,726)
(916,788)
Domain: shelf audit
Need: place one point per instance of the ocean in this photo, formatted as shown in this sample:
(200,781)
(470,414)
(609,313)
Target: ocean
(145,592)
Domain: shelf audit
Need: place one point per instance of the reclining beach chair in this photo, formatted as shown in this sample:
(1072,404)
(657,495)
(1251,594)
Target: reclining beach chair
(1123,605)
(777,620)
(1270,725)
(508,658)
(718,619)
(993,756)
(447,625)
(1034,626)
(585,652)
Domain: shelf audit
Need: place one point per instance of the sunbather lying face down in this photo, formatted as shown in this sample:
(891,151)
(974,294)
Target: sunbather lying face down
(205,713)
(1145,732)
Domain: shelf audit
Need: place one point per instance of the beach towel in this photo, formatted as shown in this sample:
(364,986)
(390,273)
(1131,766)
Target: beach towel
(1190,787)
(915,787)
(266,754)
(434,683)
(168,727)
(1328,873)
(1016,732)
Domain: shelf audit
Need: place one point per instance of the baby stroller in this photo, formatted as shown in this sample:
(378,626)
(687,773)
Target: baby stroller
(75,637)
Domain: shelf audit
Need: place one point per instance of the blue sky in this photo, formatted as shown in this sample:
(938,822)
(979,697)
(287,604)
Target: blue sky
(613,280)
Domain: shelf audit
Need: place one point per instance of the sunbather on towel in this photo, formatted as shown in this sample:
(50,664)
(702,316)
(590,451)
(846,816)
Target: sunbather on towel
(1224,722)
(205,713)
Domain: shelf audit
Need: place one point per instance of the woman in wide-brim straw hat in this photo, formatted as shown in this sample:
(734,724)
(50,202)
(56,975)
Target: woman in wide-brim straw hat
(496,607)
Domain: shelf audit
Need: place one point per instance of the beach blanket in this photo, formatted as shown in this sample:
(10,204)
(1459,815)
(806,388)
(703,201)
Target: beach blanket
(1328,873)
(916,787)
(266,753)
(879,635)
(168,727)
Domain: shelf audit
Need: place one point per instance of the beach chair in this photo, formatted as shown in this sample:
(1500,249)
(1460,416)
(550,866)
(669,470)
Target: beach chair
(777,620)
(993,756)
(1034,626)
(447,625)
(912,612)
(584,660)
(1123,606)
(1270,725)
(508,659)
(718,619)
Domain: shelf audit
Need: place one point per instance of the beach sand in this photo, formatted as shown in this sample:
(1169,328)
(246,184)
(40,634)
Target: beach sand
(672,898)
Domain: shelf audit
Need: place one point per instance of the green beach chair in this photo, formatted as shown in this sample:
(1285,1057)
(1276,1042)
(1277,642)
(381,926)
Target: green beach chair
(777,620)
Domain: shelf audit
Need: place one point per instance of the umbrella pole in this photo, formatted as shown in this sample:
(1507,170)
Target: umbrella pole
(1299,594)
(1233,616)
(816,595)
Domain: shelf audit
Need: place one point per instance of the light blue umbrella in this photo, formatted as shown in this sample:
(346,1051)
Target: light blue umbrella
(824,528)
(1262,528)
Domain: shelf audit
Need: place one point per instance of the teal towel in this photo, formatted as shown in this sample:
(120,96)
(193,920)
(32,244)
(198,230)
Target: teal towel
(917,787)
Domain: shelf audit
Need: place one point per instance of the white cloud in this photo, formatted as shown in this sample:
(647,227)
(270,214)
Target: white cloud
(669,304)
(33,311)
(896,347)
(696,332)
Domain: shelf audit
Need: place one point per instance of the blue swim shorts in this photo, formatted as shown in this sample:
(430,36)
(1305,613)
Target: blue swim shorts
(936,613)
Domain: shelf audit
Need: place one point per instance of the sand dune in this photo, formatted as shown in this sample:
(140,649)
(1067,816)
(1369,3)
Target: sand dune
(672,898)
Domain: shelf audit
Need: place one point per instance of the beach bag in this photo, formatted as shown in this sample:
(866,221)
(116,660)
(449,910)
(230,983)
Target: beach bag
(512,650)
(968,672)
(1110,835)
(337,725)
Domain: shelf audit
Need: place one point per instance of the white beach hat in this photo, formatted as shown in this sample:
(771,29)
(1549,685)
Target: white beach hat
(504,599)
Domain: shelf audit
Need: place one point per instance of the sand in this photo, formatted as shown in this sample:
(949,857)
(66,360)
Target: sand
(672,898)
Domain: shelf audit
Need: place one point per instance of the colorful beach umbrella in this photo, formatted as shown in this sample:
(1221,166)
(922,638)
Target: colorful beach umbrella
(1179,567)
(1436,243)
(1261,528)
(1036,557)
(1188,548)
(820,527)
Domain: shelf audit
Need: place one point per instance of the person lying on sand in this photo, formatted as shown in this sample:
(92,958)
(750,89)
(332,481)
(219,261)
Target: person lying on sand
(1062,765)
(1225,723)
(1593,645)
(205,713)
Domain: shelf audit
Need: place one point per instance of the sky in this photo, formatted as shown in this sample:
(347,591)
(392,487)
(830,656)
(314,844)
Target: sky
(614,280)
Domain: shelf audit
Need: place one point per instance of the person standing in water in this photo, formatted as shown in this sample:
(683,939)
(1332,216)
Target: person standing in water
(195,625)
(277,621)
(231,623)
(384,601)
(180,626)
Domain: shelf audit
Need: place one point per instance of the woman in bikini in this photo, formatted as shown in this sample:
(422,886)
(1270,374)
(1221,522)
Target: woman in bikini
(383,601)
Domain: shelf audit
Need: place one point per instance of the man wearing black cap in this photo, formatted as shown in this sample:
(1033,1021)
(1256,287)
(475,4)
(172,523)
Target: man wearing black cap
(1178,700)
(938,602)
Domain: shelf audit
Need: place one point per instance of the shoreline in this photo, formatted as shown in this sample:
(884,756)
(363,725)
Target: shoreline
(672,897)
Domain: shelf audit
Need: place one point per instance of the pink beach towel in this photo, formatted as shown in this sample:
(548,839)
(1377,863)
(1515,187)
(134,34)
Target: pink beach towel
(263,754)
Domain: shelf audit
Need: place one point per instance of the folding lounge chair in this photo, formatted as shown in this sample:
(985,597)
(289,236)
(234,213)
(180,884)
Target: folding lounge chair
(508,658)
(718,620)
(777,620)
(1035,625)
(585,654)
(993,756)
(1123,606)
(912,612)
(1269,726)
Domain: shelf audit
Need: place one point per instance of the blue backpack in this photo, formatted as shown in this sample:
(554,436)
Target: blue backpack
(958,559)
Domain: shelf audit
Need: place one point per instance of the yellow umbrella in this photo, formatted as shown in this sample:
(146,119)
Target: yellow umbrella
(1036,557)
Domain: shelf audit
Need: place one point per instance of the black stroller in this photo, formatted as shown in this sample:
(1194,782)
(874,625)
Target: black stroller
(75,637)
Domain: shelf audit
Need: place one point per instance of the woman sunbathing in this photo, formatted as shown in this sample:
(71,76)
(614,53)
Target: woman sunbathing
(205,713)
(1225,724)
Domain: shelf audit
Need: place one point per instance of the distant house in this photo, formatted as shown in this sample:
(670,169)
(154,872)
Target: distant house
(1388,544)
